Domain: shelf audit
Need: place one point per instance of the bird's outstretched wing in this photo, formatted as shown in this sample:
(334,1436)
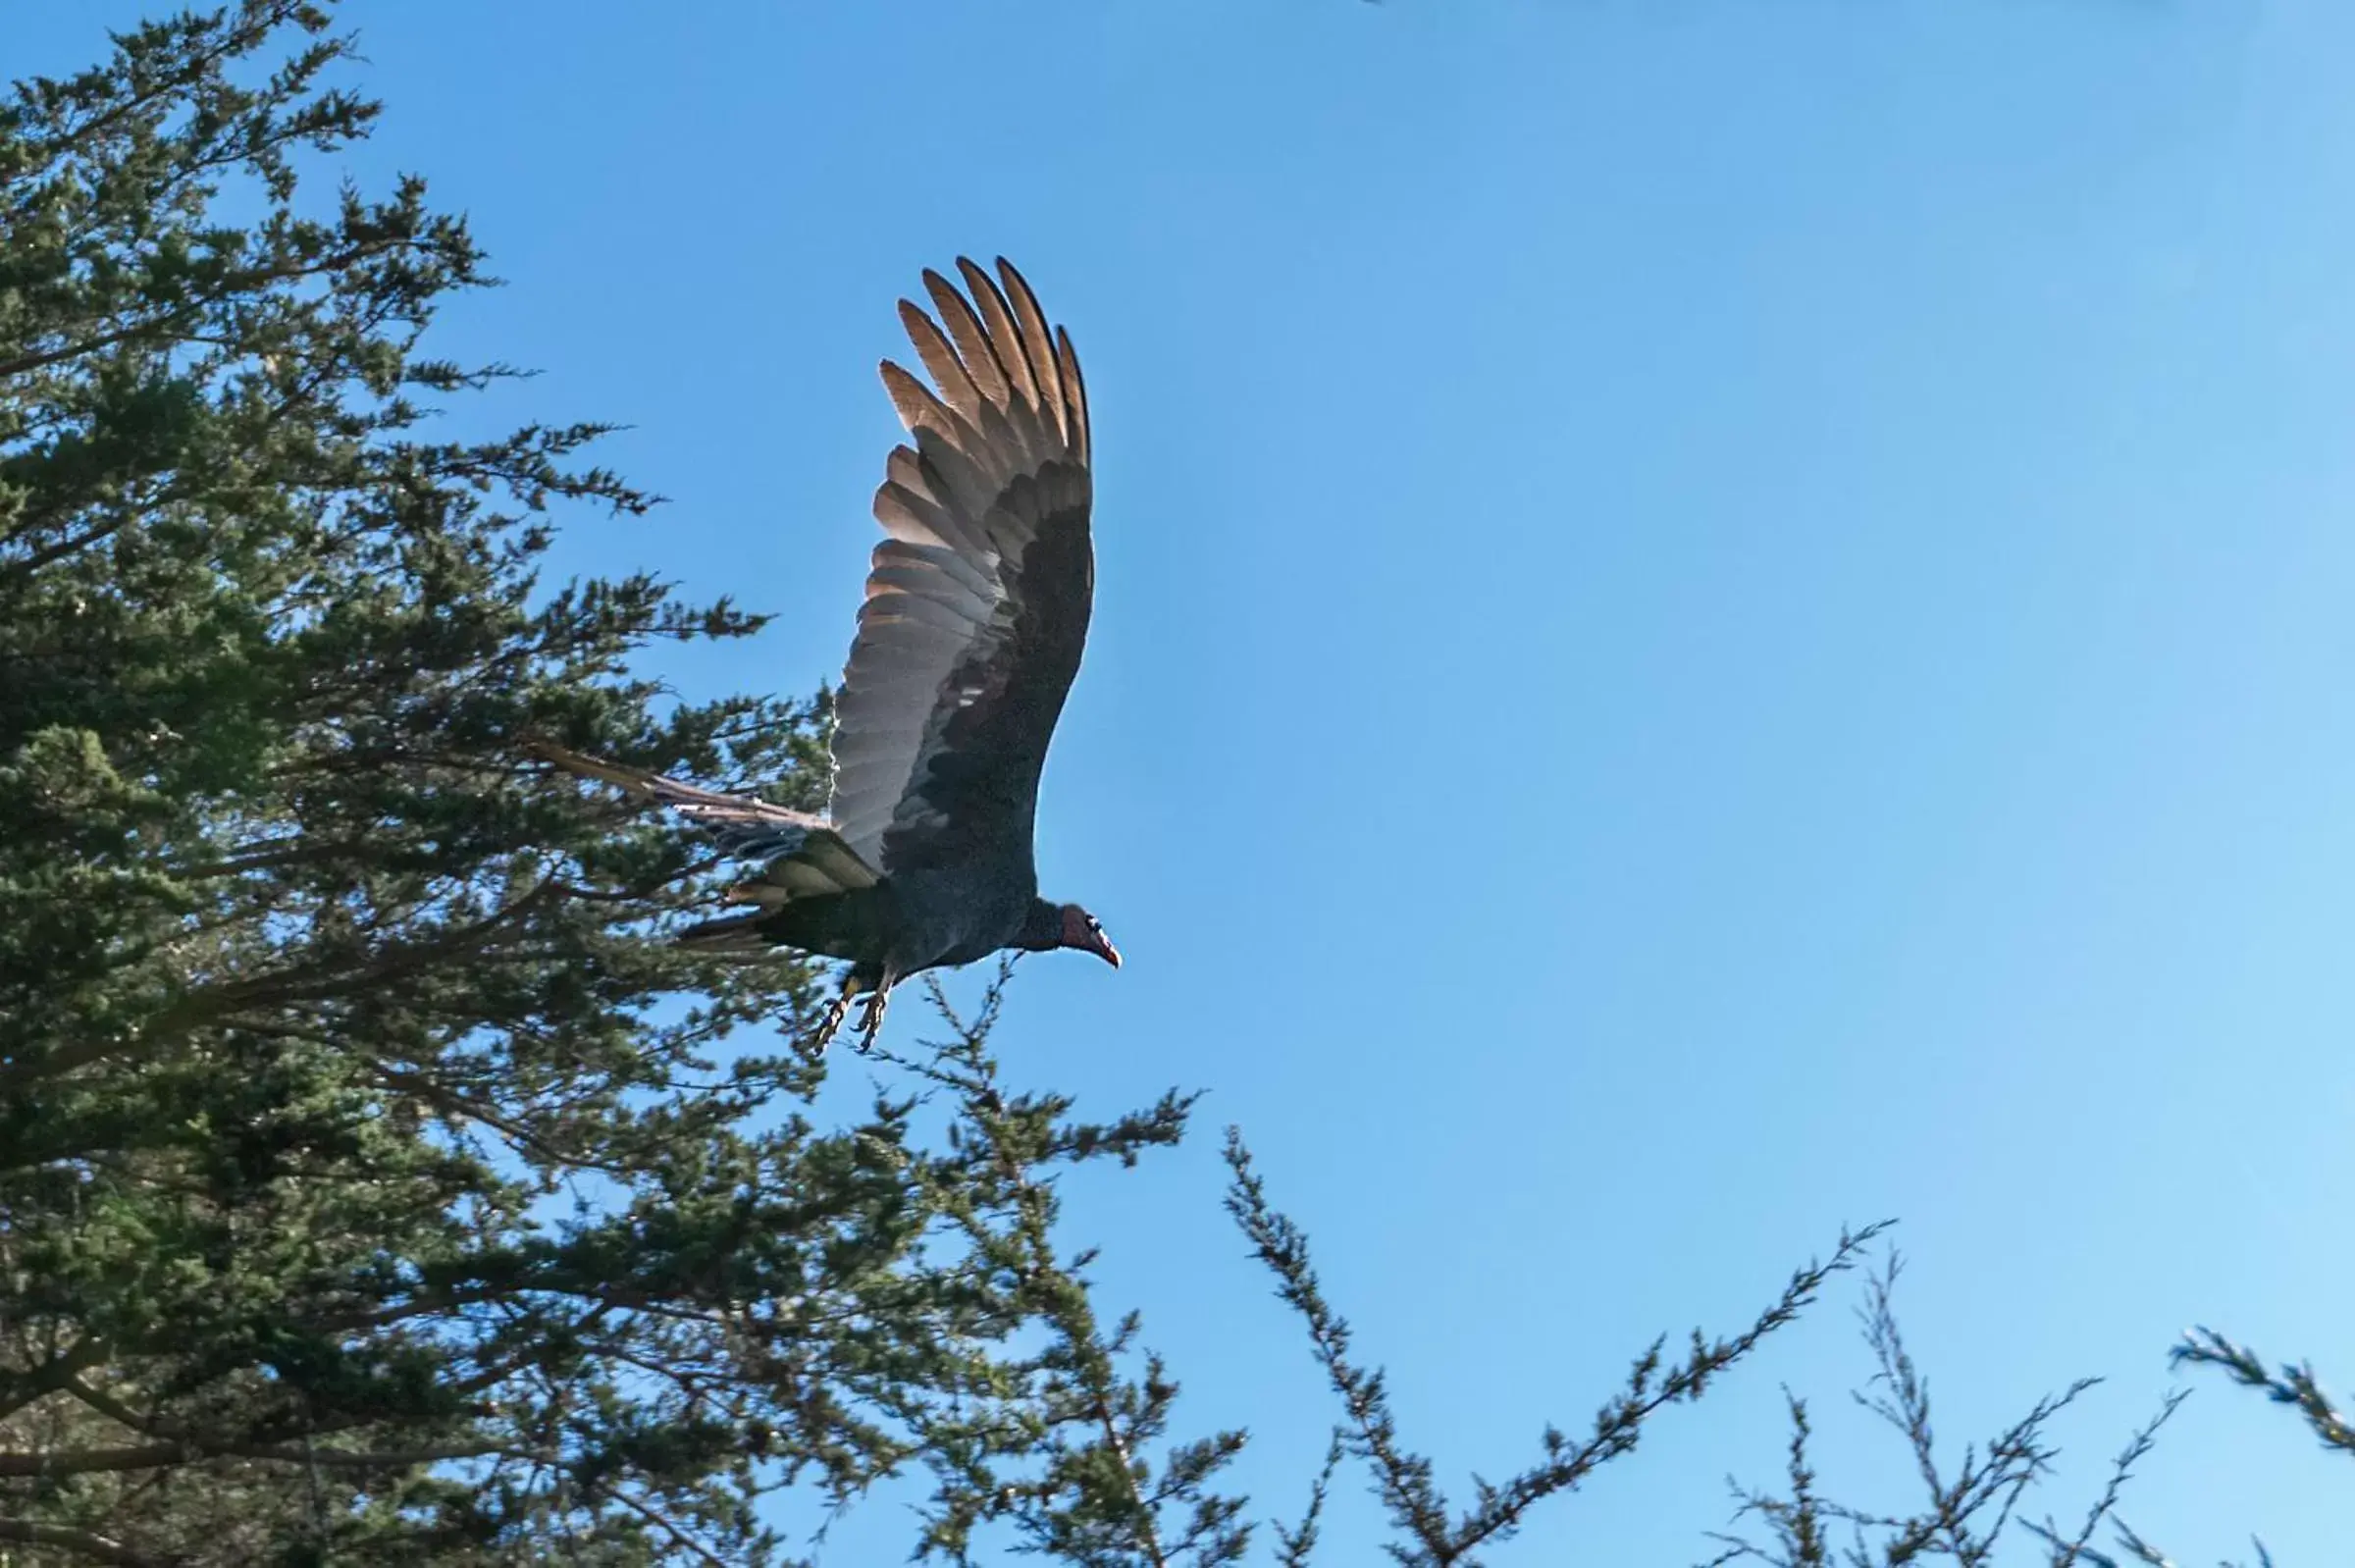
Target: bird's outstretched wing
(977,604)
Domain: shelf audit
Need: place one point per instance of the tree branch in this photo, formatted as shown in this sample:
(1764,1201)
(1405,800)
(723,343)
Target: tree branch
(2294,1385)
(49,1377)
(230,286)
(95,1548)
(1404,1478)
(158,1455)
(662,1522)
(318,982)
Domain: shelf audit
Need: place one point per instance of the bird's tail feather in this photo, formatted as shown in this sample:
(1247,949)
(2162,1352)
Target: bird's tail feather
(803,857)
(732,933)
(807,855)
(635,780)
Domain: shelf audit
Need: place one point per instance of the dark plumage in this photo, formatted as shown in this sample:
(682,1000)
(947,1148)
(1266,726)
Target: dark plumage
(976,614)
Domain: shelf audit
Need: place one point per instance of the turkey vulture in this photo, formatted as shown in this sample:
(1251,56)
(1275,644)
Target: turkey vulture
(975,615)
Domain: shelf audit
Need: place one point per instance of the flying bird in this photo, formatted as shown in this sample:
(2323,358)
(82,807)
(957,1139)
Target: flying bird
(976,612)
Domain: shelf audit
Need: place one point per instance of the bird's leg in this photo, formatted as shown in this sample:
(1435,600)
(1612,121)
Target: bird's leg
(871,1024)
(830,1023)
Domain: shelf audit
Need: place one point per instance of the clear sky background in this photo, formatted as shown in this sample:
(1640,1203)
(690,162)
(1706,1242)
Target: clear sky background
(1716,617)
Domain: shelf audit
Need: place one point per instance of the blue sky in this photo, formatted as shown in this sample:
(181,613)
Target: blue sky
(1716,617)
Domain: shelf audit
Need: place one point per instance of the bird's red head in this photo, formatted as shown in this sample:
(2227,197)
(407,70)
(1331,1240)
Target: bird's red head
(1085,932)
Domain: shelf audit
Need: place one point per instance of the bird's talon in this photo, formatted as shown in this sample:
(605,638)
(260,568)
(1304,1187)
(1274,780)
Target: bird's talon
(871,1023)
(830,1023)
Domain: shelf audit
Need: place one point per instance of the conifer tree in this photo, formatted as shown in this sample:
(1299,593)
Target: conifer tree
(374,1184)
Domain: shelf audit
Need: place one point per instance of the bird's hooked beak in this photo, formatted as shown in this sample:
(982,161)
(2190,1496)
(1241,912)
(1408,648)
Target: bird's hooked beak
(1090,938)
(1085,932)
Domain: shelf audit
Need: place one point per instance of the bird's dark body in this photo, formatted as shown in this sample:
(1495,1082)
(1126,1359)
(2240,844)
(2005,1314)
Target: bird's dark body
(870,930)
(977,614)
